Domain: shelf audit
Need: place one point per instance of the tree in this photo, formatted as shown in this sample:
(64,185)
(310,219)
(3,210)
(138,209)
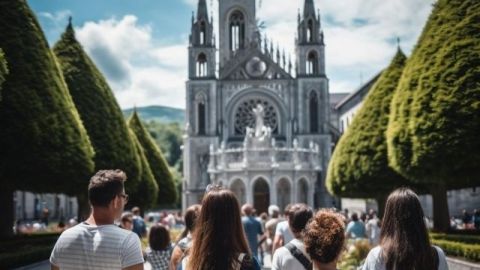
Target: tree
(44,146)
(161,172)
(146,193)
(3,71)
(359,164)
(98,109)
(434,122)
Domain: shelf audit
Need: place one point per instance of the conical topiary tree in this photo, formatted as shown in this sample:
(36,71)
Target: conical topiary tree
(44,146)
(3,71)
(167,191)
(98,109)
(435,113)
(146,192)
(359,165)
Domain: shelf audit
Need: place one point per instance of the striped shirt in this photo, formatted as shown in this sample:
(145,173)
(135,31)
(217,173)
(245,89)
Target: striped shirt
(96,247)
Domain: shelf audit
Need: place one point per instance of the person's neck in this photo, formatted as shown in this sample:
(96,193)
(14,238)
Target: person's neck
(100,216)
(325,266)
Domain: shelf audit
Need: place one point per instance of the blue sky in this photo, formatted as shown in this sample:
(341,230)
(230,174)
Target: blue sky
(141,45)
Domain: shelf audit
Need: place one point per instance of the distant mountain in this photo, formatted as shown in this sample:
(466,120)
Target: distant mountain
(158,113)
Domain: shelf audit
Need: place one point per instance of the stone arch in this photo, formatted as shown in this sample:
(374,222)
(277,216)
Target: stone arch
(313,111)
(253,93)
(240,191)
(237,29)
(284,192)
(302,190)
(261,194)
(312,63)
(202,65)
(201,112)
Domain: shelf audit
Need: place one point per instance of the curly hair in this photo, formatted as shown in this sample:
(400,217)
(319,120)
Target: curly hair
(324,236)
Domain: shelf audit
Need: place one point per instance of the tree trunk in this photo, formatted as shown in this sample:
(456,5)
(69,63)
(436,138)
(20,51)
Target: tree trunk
(6,206)
(83,207)
(441,217)
(381,200)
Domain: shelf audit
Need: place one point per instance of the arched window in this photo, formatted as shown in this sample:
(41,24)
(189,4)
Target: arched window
(312,64)
(237,30)
(313,112)
(310,31)
(202,70)
(203,32)
(201,117)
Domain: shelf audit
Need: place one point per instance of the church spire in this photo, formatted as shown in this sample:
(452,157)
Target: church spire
(202,12)
(309,9)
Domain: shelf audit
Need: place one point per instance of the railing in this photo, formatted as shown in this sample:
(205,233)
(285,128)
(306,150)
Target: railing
(264,158)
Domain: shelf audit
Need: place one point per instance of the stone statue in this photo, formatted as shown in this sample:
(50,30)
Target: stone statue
(261,133)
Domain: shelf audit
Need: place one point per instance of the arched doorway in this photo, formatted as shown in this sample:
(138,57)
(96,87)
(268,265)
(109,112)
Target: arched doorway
(261,195)
(302,191)
(238,188)
(283,193)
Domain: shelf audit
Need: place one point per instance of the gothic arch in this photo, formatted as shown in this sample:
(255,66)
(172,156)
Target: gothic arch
(202,65)
(202,33)
(310,30)
(236,29)
(312,63)
(313,110)
(302,190)
(256,93)
(261,194)
(201,113)
(284,191)
(239,189)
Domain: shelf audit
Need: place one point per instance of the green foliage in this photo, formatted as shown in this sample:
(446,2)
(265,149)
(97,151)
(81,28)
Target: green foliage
(163,177)
(355,255)
(145,194)
(435,121)
(359,164)
(168,137)
(467,251)
(44,145)
(466,239)
(98,109)
(24,250)
(3,70)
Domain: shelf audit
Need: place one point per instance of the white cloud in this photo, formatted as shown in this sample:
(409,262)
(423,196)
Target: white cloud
(139,71)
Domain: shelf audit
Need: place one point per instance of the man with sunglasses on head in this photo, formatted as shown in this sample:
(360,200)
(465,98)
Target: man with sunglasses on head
(97,243)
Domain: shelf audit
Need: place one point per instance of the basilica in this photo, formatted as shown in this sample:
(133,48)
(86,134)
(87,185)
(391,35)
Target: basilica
(257,123)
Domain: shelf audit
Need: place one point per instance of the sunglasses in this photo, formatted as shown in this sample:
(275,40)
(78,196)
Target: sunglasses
(212,187)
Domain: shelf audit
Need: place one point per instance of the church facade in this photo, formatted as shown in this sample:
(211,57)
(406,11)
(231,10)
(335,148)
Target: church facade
(257,123)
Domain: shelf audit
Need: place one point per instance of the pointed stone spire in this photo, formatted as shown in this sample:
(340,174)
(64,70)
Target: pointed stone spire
(309,9)
(271,48)
(289,64)
(265,45)
(278,54)
(284,59)
(202,12)
(193,17)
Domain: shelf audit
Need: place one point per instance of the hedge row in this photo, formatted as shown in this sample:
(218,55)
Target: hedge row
(467,251)
(466,239)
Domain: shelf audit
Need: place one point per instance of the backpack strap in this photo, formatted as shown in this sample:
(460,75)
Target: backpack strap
(298,254)
(238,264)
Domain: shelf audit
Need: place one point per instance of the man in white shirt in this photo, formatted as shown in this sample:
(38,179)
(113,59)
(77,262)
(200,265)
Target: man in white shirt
(293,255)
(283,234)
(98,243)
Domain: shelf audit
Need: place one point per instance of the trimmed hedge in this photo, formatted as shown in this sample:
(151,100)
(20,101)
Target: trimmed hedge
(466,239)
(467,251)
(24,250)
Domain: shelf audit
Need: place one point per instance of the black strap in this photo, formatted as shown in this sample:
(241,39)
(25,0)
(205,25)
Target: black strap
(298,254)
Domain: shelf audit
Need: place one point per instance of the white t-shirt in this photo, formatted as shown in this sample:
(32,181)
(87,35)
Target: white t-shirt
(374,260)
(283,229)
(284,260)
(96,247)
(373,231)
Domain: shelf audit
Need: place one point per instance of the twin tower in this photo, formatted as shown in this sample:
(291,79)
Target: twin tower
(228,80)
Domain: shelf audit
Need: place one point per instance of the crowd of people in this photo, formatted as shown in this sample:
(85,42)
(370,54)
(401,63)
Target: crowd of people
(221,234)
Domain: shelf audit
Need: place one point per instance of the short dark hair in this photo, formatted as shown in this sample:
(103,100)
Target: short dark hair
(298,216)
(324,236)
(159,237)
(104,186)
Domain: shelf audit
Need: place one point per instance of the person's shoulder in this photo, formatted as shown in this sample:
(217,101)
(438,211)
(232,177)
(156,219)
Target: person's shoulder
(440,252)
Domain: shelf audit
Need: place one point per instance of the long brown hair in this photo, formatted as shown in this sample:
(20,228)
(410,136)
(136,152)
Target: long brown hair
(191,215)
(218,237)
(404,236)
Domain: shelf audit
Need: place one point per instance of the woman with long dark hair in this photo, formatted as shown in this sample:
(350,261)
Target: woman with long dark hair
(219,242)
(404,240)
(185,238)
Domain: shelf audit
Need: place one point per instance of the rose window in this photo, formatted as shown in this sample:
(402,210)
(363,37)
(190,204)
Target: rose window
(245,117)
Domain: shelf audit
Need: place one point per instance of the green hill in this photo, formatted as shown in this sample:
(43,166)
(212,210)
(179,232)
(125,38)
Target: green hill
(159,113)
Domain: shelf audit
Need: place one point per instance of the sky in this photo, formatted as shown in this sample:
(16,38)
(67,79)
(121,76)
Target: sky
(141,45)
